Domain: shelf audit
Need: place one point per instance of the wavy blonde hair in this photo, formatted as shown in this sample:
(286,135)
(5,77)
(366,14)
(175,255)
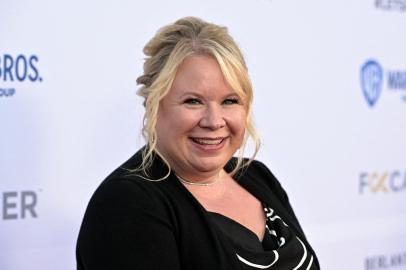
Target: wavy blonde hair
(165,53)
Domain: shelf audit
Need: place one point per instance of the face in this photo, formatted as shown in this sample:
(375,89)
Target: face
(201,121)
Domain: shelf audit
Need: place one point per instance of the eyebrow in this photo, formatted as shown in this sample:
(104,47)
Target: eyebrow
(230,94)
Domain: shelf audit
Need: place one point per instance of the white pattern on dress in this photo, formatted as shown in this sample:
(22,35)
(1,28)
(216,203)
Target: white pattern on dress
(281,241)
(269,215)
(310,263)
(259,266)
(304,255)
(271,232)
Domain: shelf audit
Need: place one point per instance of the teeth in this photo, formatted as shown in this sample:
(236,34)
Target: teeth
(208,142)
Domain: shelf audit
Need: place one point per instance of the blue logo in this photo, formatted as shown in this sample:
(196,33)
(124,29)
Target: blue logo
(371,81)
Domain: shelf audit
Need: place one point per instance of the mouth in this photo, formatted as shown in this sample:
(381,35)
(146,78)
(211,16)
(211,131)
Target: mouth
(208,141)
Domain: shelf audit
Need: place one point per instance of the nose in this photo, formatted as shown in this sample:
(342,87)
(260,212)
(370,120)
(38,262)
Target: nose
(213,118)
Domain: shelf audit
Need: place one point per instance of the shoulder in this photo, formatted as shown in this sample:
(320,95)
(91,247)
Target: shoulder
(257,173)
(126,221)
(119,190)
(258,167)
(127,189)
(261,172)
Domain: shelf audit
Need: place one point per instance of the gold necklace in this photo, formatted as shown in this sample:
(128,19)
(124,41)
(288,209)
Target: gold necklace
(192,183)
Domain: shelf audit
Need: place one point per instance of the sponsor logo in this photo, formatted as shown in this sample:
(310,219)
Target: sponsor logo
(15,70)
(373,79)
(382,182)
(388,261)
(391,5)
(19,205)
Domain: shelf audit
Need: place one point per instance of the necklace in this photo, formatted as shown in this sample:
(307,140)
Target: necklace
(192,183)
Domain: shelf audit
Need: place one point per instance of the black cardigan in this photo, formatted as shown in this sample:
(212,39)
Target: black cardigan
(131,223)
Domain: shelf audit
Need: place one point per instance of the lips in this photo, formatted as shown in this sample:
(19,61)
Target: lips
(208,141)
(204,141)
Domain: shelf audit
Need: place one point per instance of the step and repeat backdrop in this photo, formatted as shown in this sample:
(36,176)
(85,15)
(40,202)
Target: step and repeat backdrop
(330,103)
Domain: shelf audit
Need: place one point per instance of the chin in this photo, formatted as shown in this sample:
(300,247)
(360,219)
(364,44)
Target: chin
(205,165)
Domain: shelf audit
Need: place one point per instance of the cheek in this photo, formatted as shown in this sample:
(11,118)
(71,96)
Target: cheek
(188,119)
(176,122)
(236,122)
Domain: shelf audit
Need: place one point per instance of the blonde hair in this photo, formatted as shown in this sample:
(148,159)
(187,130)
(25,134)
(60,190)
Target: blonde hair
(165,53)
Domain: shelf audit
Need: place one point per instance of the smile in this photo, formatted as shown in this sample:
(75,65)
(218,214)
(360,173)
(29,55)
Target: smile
(209,141)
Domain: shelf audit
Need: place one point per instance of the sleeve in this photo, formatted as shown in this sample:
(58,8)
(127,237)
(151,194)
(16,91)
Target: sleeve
(124,229)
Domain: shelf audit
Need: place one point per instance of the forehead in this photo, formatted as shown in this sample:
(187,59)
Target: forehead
(200,74)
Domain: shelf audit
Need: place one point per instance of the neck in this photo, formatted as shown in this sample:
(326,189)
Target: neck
(206,181)
(198,183)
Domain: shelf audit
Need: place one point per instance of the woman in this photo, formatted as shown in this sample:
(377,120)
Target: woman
(183,201)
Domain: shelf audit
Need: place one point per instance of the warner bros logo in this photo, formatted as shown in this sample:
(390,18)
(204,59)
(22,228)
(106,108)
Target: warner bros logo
(371,81)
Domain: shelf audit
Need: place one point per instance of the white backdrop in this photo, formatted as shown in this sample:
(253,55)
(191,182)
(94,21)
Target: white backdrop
(333,133)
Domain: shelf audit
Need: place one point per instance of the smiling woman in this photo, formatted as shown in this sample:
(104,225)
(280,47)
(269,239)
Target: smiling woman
(168,51)
(183,201)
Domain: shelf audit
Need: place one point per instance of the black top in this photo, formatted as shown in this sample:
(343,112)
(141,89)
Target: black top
(131,223)
(280,249)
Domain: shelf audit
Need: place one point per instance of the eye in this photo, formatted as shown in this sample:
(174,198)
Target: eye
(231,101)
(192,101)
